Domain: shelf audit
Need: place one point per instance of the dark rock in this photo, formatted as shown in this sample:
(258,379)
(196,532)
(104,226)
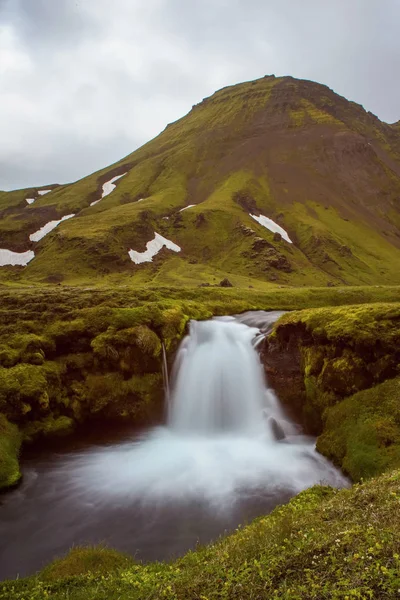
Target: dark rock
(345,250)
(278,261)
(204,285)
(259,244)
(200,220)
(277,237)
(276,429)
(246,230)
(246,201)
(225,283)
(330,284)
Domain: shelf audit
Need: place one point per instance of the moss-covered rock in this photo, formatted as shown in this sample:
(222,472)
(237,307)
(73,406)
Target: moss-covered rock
(362,433)
(10,443)
(49,427)
(339,374)
(331,353)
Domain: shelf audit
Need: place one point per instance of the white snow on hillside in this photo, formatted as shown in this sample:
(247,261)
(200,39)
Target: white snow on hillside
(186,207)
(152,248)
(272,226)
(8,257)
(108,187)
(43,192)
(40,233)
(30,200)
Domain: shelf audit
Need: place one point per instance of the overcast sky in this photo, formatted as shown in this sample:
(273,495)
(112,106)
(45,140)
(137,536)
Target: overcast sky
(85,82)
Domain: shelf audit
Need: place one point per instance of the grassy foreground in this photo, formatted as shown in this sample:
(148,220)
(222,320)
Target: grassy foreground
(324,544)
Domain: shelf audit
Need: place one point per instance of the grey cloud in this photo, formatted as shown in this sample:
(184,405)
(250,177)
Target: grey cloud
(87,81)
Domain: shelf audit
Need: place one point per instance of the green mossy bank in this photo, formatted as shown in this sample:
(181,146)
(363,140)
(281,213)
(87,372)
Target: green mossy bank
(339,369)
(322,545)
(10,444)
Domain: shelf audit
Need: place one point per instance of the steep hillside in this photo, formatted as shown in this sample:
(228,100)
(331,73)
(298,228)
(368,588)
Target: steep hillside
(282,181)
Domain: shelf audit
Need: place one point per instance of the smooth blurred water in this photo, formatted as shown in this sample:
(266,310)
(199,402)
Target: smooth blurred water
(216,464)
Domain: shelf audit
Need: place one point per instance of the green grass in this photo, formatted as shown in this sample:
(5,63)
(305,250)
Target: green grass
(83,560)
(323,545)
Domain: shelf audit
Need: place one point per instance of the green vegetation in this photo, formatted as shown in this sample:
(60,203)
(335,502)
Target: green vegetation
(324,544)
(96,560)
(10,443)
(362,433)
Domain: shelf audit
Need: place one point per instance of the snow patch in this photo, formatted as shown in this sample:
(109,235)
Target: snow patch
(186,207)
(152,248)
(108,187)
(272,226)
(8,257)
(43,192)
(40,233)
(30,200)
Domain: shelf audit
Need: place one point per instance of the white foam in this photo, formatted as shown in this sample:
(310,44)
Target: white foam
(8,257)
(186,207)
(152,248)
(272,226)
(43,192)
(30,200)
(40,233)
(108,187)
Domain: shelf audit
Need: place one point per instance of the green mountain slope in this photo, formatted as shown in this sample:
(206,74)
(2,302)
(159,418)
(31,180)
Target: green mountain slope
(318,165)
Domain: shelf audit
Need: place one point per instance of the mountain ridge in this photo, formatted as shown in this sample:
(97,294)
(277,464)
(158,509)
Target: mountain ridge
(292,151)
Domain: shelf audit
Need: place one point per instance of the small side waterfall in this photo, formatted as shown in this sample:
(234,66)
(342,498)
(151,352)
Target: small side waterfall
(218,380)
(165,374)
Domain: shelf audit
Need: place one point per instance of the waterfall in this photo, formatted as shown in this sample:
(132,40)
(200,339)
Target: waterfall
(165,374)
(218,382)
(226,439)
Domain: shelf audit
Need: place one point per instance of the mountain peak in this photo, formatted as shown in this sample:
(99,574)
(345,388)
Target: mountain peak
(273,181)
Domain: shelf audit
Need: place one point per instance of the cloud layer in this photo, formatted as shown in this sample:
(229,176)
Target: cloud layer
(85,82)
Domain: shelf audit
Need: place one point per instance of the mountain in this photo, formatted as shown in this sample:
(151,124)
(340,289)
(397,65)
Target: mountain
(282,181)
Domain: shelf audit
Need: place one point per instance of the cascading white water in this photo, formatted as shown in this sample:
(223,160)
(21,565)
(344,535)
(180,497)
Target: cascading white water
(226,432)
(219,382)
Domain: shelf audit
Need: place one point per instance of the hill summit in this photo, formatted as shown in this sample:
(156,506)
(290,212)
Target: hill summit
(273,181)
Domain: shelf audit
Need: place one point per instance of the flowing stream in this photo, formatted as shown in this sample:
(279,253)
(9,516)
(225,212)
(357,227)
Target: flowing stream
(227,454)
